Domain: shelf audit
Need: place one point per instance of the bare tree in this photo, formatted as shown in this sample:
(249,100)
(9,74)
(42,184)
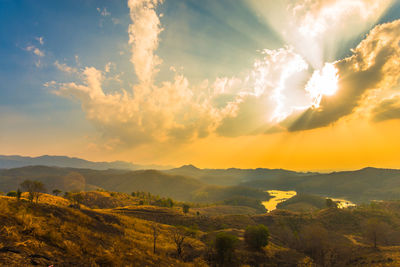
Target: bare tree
(155,228)
(34,188)
(178,235)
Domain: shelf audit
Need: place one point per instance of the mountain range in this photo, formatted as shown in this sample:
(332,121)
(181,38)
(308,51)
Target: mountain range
(7,162)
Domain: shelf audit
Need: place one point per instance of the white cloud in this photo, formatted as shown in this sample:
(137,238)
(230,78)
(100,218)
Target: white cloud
(143,36)
(40,40)
(104,12)
(35,51)
(65,68)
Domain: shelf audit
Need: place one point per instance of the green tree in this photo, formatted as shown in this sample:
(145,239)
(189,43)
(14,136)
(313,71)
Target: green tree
(225,245)
(185,208)
(12,194)
(34,188)
(256,237)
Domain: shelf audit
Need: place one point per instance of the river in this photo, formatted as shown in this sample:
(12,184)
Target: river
(279,196)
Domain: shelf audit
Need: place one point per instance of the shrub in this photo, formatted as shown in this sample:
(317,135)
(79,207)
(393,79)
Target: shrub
(256,237)
(185,208)
(225,247)
(12,194)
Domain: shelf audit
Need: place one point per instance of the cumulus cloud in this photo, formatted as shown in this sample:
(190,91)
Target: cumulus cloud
(283,90)
(373,66)
(143,37)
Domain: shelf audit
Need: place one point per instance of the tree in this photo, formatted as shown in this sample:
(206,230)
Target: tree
(375,231)
(19,193)
(185,208)
(256,237)
(225,247)
(330,203)
(156,232)
(56,192)
(34,188)
(178,236)
(12,194)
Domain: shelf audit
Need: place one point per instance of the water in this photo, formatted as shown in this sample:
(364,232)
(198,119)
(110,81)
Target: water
(279,196)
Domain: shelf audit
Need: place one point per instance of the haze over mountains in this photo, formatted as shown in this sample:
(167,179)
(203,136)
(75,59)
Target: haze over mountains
(189,183)
(7,162)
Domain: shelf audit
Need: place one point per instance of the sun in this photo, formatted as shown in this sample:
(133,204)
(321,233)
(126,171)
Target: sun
(323,82)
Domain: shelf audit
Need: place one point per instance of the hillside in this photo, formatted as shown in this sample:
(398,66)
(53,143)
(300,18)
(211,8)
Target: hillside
(158,183)
(53,232)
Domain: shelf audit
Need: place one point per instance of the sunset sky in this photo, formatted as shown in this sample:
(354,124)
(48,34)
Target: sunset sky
(302,85)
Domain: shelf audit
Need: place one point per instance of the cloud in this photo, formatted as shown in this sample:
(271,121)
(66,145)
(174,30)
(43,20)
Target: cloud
(143,36)
(65,68)
(35,50)
(104,12)
(40,40)
(373,66)
(388,109)
(283,90)
(318,28)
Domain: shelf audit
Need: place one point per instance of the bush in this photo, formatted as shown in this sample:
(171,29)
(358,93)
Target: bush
(225,247)
(256,237)
(12,194)
(185,208)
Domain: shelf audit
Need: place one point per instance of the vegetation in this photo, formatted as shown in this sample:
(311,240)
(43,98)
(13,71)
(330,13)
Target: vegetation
(105,228)
(12,194)
(304,202)
(256,237)
(56,192)
(34,188)
(185,208)
(225,245)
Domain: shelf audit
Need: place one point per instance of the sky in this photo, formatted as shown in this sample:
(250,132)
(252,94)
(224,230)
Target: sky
(294,84)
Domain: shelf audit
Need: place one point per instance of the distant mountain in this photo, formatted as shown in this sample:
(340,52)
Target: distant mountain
(358,186)
(233,176)
(7,162)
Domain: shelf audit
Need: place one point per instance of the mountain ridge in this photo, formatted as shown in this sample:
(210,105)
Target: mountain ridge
(17,161)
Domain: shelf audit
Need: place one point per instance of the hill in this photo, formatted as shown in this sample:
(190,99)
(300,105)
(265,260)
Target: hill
(156,182)
(358,186)
(55,233)
(232,176)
